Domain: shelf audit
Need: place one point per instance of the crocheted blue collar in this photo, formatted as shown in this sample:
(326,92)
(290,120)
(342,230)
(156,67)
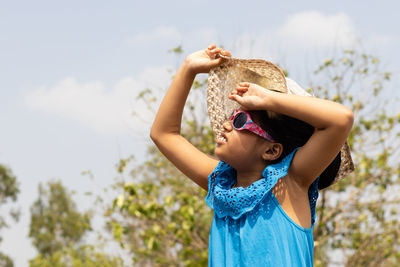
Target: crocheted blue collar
(234,202)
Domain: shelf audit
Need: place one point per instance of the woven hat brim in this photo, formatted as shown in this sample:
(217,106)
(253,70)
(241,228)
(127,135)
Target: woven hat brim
(225,78)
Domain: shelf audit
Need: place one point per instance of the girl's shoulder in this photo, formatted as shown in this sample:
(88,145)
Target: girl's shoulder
(296,202)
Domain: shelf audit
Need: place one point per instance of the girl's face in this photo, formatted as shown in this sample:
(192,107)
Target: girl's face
(240,148)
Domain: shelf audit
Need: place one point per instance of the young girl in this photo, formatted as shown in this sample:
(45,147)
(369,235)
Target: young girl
(264,188)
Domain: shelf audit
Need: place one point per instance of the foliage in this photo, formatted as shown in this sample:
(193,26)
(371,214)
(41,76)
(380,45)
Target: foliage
(6,261)
(57,229)
(359,216)
(160,216)
(9,190)
(55,221)
(8,186)
(84,256)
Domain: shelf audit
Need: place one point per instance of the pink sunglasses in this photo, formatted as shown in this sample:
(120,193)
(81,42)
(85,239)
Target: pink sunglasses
(241,120)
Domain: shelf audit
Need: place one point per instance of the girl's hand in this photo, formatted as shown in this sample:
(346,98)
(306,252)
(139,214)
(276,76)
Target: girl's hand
(204,60)
(251,96)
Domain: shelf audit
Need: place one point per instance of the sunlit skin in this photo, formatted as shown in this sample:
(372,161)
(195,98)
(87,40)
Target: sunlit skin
(245,151)
(255,94)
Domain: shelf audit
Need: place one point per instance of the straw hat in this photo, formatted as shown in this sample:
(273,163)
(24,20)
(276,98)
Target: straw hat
(224,78)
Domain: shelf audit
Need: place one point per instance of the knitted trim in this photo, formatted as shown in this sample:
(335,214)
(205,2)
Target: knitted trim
(234,202)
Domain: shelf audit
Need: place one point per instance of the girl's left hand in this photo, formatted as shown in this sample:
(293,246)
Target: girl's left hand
(204,60)
(251,96)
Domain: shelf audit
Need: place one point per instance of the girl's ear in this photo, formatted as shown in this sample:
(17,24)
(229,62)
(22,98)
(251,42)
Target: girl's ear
(272,151)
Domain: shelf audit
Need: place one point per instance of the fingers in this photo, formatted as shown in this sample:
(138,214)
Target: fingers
(236,98)
(238,93)
(212,50)
(226,53)
(215,52)
(243,87)
(232,96)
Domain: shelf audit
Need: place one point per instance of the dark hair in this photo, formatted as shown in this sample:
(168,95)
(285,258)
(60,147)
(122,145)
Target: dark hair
(293,133)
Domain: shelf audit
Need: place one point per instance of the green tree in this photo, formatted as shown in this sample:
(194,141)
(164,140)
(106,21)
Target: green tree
(57,229)
(359,217)
(83,256)
(161,217)
(55,221)
(9,190)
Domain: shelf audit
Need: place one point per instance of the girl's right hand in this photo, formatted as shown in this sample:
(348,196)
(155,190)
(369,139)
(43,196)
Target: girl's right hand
(204,60)
(251,96)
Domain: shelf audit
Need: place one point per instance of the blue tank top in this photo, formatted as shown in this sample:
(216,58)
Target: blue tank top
(250,228)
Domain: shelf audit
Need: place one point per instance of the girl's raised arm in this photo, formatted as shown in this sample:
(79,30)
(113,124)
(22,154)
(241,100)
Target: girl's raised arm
(166,128)
(333,123)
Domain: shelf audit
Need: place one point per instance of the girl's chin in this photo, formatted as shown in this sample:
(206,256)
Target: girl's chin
(218,154)
(221,156)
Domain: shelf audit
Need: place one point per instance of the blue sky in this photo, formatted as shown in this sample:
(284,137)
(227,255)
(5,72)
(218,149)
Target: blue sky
(70,71)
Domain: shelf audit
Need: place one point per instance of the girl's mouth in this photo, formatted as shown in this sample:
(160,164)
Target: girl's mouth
(222,139)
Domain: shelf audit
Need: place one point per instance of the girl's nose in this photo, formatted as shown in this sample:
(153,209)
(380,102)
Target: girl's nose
(227,125)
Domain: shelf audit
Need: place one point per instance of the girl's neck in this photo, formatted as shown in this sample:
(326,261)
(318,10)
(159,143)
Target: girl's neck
(247,172)
(246,178)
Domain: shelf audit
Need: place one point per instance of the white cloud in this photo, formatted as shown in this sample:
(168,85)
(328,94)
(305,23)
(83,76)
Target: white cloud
(313,28)
(161,33)
(300,38)
(105,111)
(298,34)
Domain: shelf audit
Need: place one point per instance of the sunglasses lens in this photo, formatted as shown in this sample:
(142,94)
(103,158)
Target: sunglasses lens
(239,120)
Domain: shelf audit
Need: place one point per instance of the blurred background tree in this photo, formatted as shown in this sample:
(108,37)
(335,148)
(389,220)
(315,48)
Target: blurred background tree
(9,190)
(57,229)
(358,218)
(161,218)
